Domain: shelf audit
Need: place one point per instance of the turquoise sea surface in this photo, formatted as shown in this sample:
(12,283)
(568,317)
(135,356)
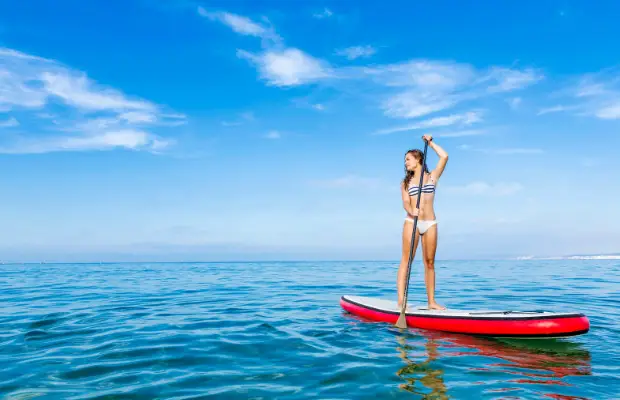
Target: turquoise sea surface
(275,330)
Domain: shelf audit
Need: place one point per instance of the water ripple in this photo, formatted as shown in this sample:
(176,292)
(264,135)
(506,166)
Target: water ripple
(276,330)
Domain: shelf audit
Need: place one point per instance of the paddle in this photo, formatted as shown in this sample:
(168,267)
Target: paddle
(402,319)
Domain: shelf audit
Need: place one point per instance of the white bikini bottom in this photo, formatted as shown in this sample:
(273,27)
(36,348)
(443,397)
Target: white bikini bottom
(423,224)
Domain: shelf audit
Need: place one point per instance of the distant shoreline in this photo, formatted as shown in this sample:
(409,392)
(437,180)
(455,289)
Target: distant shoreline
(575,257)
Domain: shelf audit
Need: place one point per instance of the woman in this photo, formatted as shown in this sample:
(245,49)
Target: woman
(427,224)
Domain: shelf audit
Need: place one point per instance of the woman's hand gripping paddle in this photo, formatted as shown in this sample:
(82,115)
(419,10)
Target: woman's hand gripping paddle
(402,319)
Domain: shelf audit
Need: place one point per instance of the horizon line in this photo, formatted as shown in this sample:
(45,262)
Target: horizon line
(528,258)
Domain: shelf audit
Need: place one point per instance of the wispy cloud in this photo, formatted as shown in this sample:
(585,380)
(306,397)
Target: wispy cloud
(347,182)
(430,74)
(273,135)
(241,25)
(462,133)
(45,115)
(355,52)
(9,123)
(595,95)
(504,151)
(325,13)
(486,189)
(426,86)
(88,115)
(464,119)
(243,118)
(611,111)
(76,90)
(126,139)
(507,79)
(413,104)
(554,109)
(310,102)
(514,102)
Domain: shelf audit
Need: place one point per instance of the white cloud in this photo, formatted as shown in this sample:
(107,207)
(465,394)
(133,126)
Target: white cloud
(10,53)
(288,67)
(240,24)
(127,139)
(514,102)
(348,181)
(504,151)
(609,112)
(462,133)
(56,98)
(9,123)
(15,90)
(243,118)
(485,189)
(310,102)
(596,95)
(355,52)
(412,104)
(138,117)
(428,86)
(587,88)
(553,109)
(464,119)
(78,91)
(273,135)
(326,13)
(425,74)
(511,79)
(46,115)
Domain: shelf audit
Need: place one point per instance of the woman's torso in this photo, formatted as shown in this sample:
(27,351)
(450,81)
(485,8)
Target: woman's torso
(428,196)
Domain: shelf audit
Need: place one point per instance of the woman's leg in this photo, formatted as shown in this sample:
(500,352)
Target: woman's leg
(429,247)
(401,279)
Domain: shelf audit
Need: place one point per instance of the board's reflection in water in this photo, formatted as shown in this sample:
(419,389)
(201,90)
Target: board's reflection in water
(540,362)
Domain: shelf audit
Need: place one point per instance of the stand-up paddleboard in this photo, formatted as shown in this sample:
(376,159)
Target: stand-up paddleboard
(519,324)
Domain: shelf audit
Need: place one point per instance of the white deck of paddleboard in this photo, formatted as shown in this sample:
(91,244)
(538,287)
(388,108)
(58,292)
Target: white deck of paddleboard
(392,306)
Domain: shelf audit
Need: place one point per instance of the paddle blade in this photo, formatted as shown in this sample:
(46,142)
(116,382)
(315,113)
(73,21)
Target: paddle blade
(402,321)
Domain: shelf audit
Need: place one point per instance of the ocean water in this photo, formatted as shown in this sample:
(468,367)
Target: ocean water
(276,331)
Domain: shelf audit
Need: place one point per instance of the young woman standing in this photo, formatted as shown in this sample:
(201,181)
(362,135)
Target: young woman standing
(427,222)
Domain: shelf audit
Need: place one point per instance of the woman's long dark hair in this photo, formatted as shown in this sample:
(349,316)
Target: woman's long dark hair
(418,155)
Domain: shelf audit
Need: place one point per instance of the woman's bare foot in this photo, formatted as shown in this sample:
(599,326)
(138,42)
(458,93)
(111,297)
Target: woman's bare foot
(435,306)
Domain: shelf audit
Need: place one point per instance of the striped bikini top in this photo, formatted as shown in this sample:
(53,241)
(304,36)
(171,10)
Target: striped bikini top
(414,190)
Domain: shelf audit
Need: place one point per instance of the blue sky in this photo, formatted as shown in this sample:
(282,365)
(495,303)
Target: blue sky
(197,130)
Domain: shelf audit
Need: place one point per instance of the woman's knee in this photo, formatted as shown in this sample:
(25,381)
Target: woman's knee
(429,263)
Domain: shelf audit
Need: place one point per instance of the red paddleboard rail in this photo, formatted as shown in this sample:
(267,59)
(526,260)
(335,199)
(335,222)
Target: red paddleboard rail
(497,324)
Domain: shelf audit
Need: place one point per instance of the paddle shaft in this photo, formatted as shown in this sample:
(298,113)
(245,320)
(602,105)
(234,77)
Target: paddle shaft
(415,226)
